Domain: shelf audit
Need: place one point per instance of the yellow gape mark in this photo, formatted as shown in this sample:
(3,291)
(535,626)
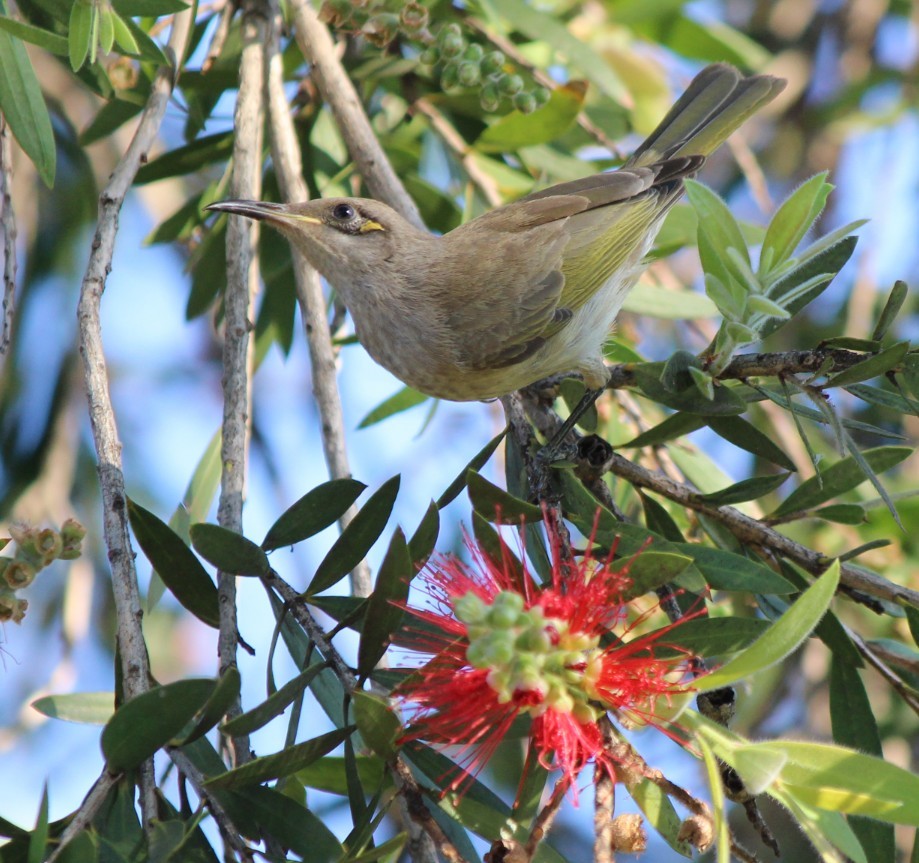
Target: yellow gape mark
(371,226)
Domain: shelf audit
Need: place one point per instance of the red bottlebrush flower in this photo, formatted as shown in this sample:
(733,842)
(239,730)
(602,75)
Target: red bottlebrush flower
(503,647)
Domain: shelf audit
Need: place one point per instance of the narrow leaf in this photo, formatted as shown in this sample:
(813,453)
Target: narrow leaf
(23,106)
(357,538)
(384,611)
(871,367)
(495,504)
(377,723)
(94,708)
(313,512)
(895,299)
(782,638)
(747,489)
(175,563)
(795,217)
(746,436)
(475,464)
(839,478)
(229,551)
(403,400)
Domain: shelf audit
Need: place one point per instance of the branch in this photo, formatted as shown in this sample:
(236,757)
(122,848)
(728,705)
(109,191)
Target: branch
(8,229)
(748,530)
(134,662)
(336,88)
(288,165)
(238,353)
(83,817)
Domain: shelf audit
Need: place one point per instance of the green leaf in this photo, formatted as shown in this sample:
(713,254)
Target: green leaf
(272,706)
(516,129)
(384,611)
(782,638)
(23,106)
(283,763)
(188,159)
(291,824)
(313,512)
(657,808)
(747,489)
(423,540)
(898,294)
(871,367)
(80,32)
(51,42)
(794,218)
(229,551)
(676,425)
(854,725)
(148,8)
(842,513)
(659,520)
(711,40)
(149,721)
(495,504)
(94,708)
(652,569)
(711,637)
(529,20)
(839,478)
(39,838)
(225,694)
(357,538)
(726,401)
(725,570)
(884,398)
(849,343)
(328,774)
(175,564)
(717,222)
(475,464)
(403,400)
(746,436)
(807,281)
(655,302)
(377,723)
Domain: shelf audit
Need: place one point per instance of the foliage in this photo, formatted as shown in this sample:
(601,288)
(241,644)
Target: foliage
(805,388)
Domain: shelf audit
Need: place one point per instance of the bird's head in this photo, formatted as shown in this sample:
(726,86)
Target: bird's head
(344,238)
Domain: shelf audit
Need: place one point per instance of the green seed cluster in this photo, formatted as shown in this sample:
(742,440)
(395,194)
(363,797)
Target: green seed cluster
(460,63)
(35,549)
(531,659)
(468,65)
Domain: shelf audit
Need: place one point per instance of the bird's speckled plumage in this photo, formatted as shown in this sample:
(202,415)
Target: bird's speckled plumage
(527,290)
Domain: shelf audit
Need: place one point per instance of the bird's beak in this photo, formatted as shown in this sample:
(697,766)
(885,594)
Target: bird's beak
(262,211)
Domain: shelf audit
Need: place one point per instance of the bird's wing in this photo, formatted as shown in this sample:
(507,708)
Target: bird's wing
(554,250)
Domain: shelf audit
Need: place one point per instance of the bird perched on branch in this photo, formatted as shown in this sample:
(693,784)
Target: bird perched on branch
(528,290)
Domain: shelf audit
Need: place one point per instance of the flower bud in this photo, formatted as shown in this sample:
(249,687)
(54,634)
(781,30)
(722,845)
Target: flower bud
(11,607)
(489,97)
(628,834)
(49,545)
(468,73)
(381,29)
(413,17)
(510,85)
(492,62)
(525,103)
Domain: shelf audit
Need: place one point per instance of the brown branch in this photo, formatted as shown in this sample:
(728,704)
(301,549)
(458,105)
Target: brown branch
(238,348)
(543,821)
(132,649)
(286,156)
(752,532)
(83,817)
(336,88)
(8,229)
(466,154)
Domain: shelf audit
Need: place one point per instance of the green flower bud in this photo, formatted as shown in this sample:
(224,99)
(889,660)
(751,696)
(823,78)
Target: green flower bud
(469,74)
(470,609)
(430,56)
(11,607)
(510,85)
(49,545)
(452,45)
(489,97)
(449,76)
(474,53)
(492,62)
(505,609)
(525,103)
(541,95)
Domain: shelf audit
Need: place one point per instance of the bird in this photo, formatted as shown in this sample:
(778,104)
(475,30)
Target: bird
(528,290)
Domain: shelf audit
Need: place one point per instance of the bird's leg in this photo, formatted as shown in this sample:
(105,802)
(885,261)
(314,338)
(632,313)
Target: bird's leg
(555,449)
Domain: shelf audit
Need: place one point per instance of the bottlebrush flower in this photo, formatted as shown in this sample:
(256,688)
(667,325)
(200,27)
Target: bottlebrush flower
(503,647)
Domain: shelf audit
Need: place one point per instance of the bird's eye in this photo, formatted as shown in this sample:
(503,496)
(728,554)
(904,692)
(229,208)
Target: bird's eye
(343,212)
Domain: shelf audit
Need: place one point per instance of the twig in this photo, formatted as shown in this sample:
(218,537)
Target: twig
(8,229)
(286,156)
(543,821)
(218,40)
(228,830)
(876,655)
(133,651)
(455,142)
(750,168)
(752,532)
(238,353)
(604,809)
(336,88)
(82,818)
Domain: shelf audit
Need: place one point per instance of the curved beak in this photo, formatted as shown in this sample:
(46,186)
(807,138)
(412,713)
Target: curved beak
(260,210)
